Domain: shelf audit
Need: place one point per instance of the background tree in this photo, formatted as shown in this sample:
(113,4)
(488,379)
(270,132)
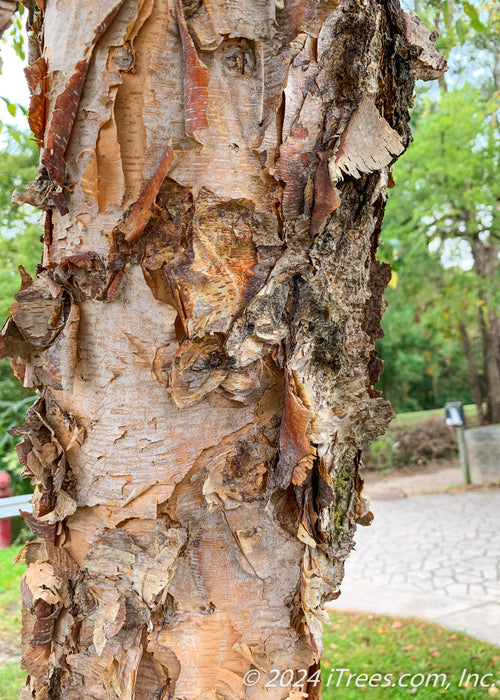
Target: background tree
(448,196)
(456,207)
(201,332)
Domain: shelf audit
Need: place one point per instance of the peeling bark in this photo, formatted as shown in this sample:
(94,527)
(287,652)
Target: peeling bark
(201,332)
(7,9)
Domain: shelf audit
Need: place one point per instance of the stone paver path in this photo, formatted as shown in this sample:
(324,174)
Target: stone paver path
(437,556)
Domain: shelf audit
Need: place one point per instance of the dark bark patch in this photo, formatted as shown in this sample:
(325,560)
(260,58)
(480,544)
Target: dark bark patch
(344,67)
(239,56)
(210,257)
(329,342)
(152,678)
(198,368)
(380,276)
(65,567)
(375,367)
(314,687)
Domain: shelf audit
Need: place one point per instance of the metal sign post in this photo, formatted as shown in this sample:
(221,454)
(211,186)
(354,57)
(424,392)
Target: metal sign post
(455,417)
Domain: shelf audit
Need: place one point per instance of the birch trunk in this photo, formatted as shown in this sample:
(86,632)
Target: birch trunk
(475,385)
(201,332)
(486,266)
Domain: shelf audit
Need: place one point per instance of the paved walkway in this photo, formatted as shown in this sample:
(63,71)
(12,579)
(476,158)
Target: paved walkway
(409,482)
(436,556)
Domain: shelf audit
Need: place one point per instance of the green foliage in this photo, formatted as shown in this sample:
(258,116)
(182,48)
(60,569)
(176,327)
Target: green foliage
(16,33)
(447,180)
(445,199)
(19,232)
(424,363)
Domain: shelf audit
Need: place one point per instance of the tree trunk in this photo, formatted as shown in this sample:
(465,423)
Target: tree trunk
(486,266)
(473,375)
(202,333)
(491,363)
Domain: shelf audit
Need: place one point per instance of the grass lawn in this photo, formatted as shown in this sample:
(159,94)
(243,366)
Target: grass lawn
(12,679)
(404,420)
(407,650)
(360,643)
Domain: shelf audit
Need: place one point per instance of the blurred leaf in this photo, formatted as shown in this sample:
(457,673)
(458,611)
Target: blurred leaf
(473,14)
(393,283)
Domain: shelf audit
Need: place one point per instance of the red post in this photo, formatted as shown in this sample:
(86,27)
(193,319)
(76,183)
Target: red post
(5,492)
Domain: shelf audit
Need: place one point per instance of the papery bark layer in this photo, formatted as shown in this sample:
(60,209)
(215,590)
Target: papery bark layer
(202,333)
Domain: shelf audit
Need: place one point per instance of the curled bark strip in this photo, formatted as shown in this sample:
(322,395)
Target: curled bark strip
(36,313)
(296,452)
(36,75)
(113,286)
(37,116)
(65,567)
(36,657)
(367,144)
(44,530)
(106,23)
(140,212)
(83,275)
(87,276)
(61,124)
(64,115)
(195,80)
(40,334)
(45,462)
(325,198)
(361,506)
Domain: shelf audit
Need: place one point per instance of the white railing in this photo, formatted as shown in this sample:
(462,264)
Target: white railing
(9,507)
